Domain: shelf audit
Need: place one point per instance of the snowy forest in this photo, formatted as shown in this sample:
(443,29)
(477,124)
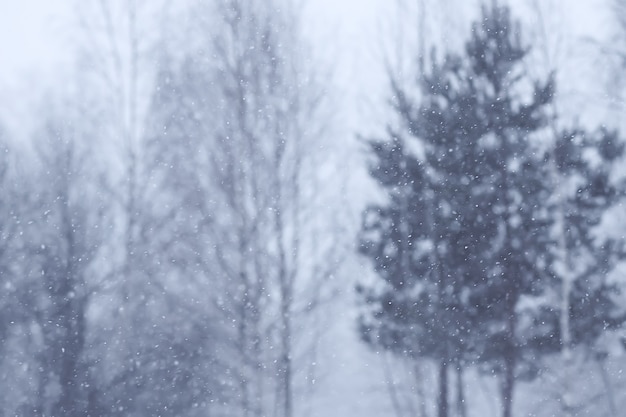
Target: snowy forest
(306,208)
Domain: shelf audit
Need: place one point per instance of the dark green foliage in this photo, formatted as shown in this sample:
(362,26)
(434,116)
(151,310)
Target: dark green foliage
(584,163)
(462,207)
(466,242)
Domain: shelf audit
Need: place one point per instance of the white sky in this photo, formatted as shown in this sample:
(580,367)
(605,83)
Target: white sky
(34,33)
(36,51)
(31,37)
(36,48)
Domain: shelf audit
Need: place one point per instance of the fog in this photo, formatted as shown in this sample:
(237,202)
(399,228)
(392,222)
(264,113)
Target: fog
(312,208)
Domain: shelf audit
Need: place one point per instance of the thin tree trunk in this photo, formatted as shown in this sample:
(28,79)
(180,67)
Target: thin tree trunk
(69,310)
(566,288)
(442,400)
(391,388)
(510,361)
(419,383)
(507,389)
(243,346)
(608,388)
(421,27)
(129,122)
(285,359)
(461,408)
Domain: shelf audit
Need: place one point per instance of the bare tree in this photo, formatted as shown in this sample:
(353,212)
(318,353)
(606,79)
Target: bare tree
(17,277)
(67,232)
(241,152)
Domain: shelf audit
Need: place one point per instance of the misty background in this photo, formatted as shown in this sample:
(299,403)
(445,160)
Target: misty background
(312,208)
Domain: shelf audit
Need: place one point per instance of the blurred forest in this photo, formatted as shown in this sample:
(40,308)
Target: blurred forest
(216,212)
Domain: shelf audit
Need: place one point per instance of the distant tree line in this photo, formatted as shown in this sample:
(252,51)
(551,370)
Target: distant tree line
(167,244)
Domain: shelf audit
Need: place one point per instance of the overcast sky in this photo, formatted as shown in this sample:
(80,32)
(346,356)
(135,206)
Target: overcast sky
(34,41)
(36,49)
(33,37)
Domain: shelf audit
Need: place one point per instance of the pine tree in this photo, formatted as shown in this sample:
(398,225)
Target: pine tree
(465,234)
(584,303)
(584,163)
(484,225)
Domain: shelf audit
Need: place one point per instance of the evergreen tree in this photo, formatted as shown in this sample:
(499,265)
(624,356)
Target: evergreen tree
(465,235)
(584,162)
(584,303)
(483,227)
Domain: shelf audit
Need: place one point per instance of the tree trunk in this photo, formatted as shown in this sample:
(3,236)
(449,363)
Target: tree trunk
(508,383)
(442,401)
(461,409)
(507,388)
(608,387)
(285,365)
(243,347)
(391,387)
(419,383)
